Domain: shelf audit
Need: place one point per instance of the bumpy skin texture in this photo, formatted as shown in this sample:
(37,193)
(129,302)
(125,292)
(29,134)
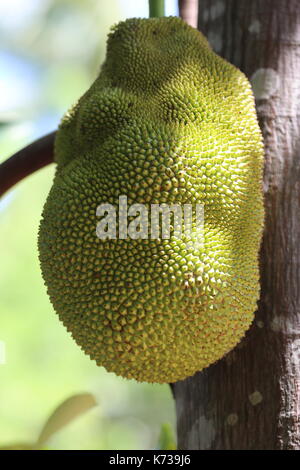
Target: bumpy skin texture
(166,121)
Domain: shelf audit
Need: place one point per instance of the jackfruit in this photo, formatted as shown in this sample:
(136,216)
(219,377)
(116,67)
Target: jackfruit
(167,121)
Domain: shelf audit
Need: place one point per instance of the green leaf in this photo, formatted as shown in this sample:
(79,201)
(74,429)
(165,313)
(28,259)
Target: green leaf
(17,446)
(64,414)
(166,440)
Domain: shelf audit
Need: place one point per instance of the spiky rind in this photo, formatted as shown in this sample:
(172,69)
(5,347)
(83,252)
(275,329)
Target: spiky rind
(166,121)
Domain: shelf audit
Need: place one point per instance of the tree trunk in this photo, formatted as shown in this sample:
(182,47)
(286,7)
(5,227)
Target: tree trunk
(251,398)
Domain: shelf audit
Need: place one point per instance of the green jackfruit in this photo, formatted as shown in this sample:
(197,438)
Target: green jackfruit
(166,121)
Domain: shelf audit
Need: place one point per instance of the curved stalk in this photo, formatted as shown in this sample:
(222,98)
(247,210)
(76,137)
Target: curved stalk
(26,161)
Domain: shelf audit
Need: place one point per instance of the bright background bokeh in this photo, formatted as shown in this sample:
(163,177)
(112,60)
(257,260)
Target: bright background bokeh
(50,53)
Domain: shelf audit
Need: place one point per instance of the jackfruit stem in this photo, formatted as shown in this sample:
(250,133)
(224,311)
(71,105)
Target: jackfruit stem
(156,8)
(26,161)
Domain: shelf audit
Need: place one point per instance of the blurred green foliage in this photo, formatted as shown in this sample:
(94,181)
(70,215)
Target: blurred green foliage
(60,45)
(66,412)
(166,440)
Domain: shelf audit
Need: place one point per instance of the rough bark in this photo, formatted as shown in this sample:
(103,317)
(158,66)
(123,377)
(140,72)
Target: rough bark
(251,398)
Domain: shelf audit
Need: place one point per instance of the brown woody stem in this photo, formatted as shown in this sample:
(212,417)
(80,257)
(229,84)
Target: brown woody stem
(188,11)
(26,161)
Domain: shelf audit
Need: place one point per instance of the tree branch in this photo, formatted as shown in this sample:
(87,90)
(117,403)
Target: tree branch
(26,161)
(188,11)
